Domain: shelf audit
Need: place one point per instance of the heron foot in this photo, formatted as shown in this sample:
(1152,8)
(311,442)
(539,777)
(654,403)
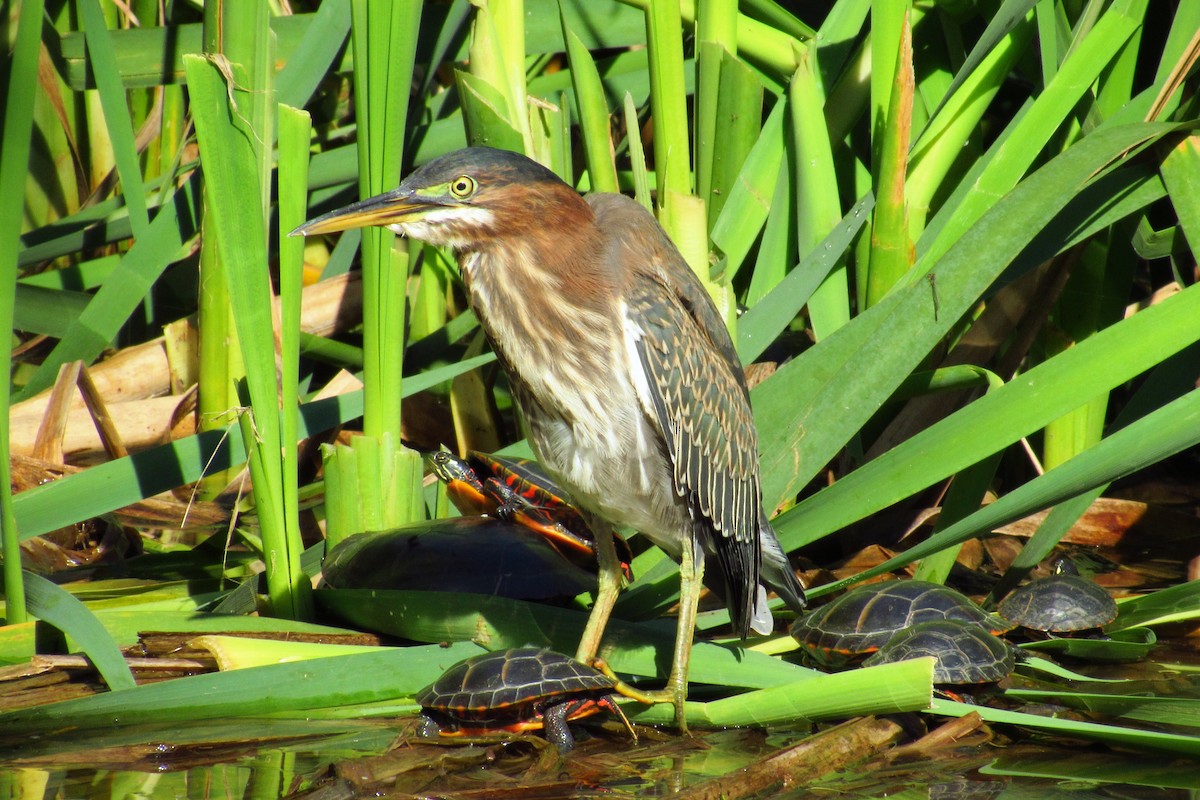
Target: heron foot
(675,692)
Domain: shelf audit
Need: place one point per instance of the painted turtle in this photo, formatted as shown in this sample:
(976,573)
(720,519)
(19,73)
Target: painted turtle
(1061,603)
(518,490)
(963,652)
(515,691)
(864,619)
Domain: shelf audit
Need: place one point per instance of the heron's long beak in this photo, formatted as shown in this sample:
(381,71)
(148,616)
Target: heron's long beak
(389,208)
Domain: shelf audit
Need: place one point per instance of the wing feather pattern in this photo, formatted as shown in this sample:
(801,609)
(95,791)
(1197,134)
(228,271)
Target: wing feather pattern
(700,403)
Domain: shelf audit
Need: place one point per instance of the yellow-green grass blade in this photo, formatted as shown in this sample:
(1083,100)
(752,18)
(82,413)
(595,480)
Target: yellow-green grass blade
(1024,405)
(1169,380)
(1176,53)
(1173,604)
(56,606)
(126,618)
(748,205)
(887,21)
(74,277)
(1092,731)
(384,37)
(816,192)
(1094,297)
(884,689)
(758,42)
(323,41)
(500,622)
(236,37)
(107,221)
(672,149)
(592,108)
(239,652)
(778,17)
(637,156)
(759,326)
(14,164)
(45,311)
(1181,175)
(738,120)
(1082,768)
(484,114)
(335,166)
(116,112)
(716,37)
(295,127)
(891,252)
(1122,647)
(955,122)
(777,248)
(497,60)
(398,672)
(153,56)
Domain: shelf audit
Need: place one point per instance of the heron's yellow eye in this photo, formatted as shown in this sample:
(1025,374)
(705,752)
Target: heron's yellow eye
(462,187)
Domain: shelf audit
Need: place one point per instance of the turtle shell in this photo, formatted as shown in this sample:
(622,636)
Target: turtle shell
(1059,604)
(963,652)
(509,690)
(864,619)
(529,481)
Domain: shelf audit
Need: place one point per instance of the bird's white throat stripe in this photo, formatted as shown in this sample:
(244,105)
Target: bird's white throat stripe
(442,226)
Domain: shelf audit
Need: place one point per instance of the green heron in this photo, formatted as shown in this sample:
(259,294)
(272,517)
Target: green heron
(633,394)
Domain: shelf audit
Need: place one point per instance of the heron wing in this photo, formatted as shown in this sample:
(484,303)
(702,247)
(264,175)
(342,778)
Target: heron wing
(696,392)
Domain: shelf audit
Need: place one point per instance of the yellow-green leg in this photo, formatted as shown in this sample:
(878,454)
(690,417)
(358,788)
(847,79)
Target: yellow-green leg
(691,577)
(608,587)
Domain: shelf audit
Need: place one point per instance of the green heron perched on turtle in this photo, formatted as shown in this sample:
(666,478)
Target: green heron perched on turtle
(634,397)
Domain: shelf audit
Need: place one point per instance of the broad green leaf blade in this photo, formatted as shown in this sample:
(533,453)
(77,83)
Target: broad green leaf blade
(1156,436)
(398,672)
(14,164)
(498,622)
(884,689)
(1111,734)
(52,604)
(845,378)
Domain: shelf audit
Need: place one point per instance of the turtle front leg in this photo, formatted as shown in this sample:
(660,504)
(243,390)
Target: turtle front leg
(558,733)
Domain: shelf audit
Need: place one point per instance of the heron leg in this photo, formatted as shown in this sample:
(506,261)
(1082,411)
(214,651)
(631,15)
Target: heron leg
(609,585)
(691,576)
